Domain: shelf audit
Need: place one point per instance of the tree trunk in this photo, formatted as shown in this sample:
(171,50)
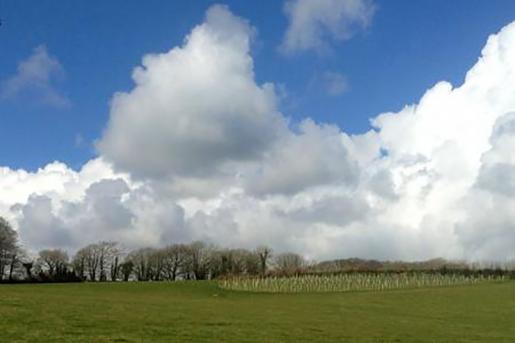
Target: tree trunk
(11,269)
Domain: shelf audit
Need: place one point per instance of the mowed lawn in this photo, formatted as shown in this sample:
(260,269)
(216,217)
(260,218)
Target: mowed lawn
(200,311)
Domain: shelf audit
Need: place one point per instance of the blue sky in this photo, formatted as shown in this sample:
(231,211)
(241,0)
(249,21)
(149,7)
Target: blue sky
(183,121)
(408,46)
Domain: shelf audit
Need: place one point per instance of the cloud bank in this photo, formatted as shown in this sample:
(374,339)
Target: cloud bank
(199,150)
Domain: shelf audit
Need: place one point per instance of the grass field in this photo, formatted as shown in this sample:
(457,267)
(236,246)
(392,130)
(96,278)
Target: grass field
(200,311)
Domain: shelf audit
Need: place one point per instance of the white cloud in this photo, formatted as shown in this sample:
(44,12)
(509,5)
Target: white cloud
(314,156)
(434,179)
(335,83)
(330,83)
(35,80)
(312,23)
(488,230)
(195,107)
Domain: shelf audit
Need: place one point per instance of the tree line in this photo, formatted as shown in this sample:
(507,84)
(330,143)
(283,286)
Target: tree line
(109,261)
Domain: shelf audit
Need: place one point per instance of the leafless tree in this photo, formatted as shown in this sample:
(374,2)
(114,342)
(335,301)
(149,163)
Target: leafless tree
(234,262)
(116,254)
(79,263)
(198,261)
(98,261)
(126,269)
(289,263)
(86,262)
(156,264)
(141,260)
(175,257)
(18,256)
(253,263)
(8,247)
(28,268)
(54,261)
(108,253)
(264,253)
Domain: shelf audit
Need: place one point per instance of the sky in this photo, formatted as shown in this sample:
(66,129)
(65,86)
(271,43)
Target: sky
(332,128)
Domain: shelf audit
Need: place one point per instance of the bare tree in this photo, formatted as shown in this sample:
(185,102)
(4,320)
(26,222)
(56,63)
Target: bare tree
(252,263)
(126,269)
(175,257)
(198,261)
(116,254)
(54,261)
(79,263)
(141,260)
(98,261)
(86,262)
(264,253)
(8,247)
(220,262)
(289,263)
(28,269)
(156,265)
(107,259)
(15,264)
(234,262)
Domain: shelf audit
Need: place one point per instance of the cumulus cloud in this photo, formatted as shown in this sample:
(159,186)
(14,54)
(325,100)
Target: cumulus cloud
(313,156)
(195,107)
(40,227)
(314,23)
(198,150)
(488,230)
(35,80)
(38,203)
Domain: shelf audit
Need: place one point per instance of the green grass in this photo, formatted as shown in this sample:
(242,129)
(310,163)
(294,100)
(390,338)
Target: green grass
(200,311)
